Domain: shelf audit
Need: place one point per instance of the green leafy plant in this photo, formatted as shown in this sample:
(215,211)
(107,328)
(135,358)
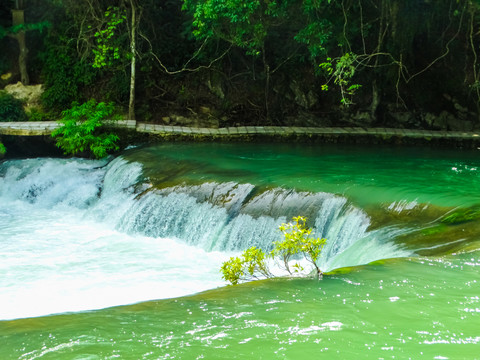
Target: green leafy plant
(66,75)
(298,240)
(11,109)
(341,71)
(3,150)
(82,130)
(107,50)
(252,264)
(37,114)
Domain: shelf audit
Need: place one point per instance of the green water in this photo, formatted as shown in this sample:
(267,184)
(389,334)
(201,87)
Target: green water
(427,308)
(419,307)
(365,175)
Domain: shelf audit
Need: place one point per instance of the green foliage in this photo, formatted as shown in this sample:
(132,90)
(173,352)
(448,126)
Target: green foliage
(36,114)
(250,24)
(297,240)
(315,35)
(108,50)
(64,73)
(3,150)
(252,263)
(341,70)
(4,64)
(40,26)
(235,21)
(244,23)
(81,130)
(11,109)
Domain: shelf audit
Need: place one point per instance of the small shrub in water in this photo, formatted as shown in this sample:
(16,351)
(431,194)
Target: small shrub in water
(252,263)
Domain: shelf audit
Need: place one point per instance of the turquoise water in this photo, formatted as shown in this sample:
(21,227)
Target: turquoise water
(101,236)
(366,175)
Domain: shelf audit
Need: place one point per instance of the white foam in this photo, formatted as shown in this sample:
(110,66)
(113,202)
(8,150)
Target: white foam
(68,265)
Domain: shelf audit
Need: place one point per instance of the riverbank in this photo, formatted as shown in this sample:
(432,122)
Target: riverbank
(134,131)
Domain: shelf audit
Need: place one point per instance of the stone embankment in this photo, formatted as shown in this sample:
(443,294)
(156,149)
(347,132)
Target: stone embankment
(246,132)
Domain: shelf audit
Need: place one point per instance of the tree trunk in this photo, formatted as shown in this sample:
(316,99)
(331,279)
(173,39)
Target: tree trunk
(19,19)
(267,85)
(131,102)
(375,100)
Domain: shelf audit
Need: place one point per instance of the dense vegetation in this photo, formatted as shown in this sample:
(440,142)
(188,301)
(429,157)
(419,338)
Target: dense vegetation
(81,130)
(410,63)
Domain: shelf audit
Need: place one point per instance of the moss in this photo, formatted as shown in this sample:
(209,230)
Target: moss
(433,230)
(342,271)
(460,216)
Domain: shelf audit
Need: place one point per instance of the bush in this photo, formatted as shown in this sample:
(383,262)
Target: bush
(11,109)
(64,74)
(37,114)
(249,265)
(82,130)
(252,263)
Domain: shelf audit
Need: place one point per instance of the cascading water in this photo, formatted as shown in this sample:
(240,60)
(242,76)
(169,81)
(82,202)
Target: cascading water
(80,234)
(157,223)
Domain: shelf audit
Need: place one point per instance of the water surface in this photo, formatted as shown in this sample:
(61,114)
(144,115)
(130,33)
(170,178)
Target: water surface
(81,240)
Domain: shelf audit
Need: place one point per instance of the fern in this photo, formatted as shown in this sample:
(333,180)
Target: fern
(82,130)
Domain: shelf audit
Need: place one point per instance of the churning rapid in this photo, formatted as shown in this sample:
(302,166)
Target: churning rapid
(80,234)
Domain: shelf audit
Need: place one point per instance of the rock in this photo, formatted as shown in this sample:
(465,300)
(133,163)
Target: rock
(193,121)
(430,119)
(304,98)
(29,94)
(456,123)
(403,119)
(363,119)
(215,85)
(180,120)
(304,118)
(449,122)
(460,108)
(205,110)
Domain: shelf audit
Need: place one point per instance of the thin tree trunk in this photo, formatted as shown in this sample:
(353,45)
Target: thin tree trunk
(267,85)
(375,100)
(19,19)
(375,93)
(131,102)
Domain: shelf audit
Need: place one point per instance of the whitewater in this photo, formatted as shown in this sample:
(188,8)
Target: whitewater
(79,235)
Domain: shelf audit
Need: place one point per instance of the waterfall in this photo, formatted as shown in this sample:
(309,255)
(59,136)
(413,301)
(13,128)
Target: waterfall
(214,216)
(50,183)
(99,234)
(230,216)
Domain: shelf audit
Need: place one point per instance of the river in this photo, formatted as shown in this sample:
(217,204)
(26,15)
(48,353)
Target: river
(120,258)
